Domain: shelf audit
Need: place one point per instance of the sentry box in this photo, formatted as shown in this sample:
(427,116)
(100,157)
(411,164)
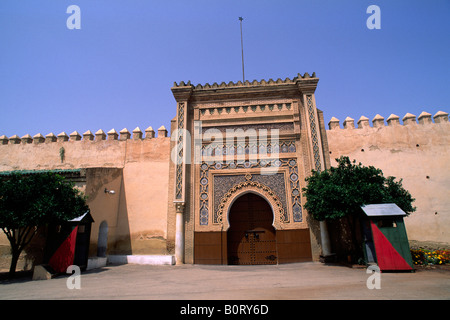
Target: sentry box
(385,239)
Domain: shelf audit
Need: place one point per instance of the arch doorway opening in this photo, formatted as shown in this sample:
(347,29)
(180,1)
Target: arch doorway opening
(251,238)
(102,242)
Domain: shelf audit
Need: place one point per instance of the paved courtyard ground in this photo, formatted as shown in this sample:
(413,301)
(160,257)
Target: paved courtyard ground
(298,281)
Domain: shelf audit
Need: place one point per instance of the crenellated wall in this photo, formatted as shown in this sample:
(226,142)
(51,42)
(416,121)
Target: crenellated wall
(75,151)
(100,135)
(135,166)
(417,151)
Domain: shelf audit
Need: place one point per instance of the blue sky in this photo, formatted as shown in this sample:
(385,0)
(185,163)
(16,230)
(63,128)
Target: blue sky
(117,70)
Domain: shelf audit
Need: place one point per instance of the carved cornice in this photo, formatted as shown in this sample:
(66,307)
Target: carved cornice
(182,92)
(303,83)
(299,78)
(307,86)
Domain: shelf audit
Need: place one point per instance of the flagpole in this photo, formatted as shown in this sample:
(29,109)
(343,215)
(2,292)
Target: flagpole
(242,51)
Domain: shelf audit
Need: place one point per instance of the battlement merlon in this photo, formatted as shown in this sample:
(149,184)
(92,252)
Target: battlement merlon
(305,84)
(393,120)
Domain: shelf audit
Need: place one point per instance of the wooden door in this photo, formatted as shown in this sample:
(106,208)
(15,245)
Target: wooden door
(251,236)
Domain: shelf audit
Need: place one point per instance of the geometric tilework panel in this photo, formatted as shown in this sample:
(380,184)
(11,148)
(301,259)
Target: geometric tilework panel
(224,183)
(276,182)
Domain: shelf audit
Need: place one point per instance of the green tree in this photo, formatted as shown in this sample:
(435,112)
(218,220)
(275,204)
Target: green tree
(30,201)
(341,191)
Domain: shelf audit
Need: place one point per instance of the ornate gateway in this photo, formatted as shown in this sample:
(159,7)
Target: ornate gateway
(240,155)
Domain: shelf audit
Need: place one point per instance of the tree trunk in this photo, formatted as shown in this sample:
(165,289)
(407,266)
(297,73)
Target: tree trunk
(353,223)
(15,258)
(18,239)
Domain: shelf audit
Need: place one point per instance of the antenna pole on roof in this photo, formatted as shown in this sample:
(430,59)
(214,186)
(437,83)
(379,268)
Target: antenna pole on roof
(242,51)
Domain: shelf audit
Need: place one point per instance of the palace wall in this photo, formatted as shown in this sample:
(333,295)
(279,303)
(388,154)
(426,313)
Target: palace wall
(135,166)
(417,151)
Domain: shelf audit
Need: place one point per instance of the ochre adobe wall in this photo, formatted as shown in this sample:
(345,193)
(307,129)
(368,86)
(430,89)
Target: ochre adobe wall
(417,151)
(135,166)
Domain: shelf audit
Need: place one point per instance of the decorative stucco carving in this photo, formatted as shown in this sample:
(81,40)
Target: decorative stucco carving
(255,187)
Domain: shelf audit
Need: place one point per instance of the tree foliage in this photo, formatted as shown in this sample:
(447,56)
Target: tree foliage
(342,190)
(30,201)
